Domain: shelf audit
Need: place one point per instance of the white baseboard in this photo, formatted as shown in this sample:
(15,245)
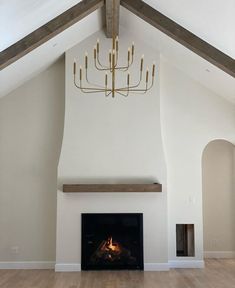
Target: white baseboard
(67,267)
(72,267)
(186,264)
(219,254)
(28,265)
(156,266)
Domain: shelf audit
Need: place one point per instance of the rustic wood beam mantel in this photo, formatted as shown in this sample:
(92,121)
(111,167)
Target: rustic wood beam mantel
(48,31)
(181,35)
(112,8)
(91,188)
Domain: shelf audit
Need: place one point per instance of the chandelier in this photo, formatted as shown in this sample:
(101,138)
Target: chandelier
(110,70)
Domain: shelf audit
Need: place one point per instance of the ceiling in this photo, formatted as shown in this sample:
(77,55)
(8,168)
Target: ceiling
(211,20)
(18,18)
(178,55)
(200,17)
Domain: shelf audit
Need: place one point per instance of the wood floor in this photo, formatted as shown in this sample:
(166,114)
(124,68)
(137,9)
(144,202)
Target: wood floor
(217,274)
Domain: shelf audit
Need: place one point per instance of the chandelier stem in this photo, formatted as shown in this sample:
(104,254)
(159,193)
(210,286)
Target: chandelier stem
(113,51)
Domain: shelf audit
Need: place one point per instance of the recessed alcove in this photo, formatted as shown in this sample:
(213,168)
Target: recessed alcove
(185,240)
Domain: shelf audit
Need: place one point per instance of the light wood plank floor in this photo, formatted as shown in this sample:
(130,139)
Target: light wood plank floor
(217,274)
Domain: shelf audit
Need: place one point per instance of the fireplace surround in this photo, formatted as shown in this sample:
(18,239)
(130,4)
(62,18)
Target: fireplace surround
(112,241)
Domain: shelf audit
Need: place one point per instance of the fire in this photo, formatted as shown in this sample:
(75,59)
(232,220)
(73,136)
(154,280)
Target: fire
(109,246)
(110,250)
(112,246)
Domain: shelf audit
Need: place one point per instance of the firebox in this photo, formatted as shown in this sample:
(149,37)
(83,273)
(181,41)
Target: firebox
(112,241)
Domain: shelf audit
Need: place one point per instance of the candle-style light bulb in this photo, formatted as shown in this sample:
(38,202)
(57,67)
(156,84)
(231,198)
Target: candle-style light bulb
(153,70)
(98,45)
(142,63)
(106,79)
(128,79)
(110,56)
(94,52)
(113,60)
(132,48)
(86,60)
(128,55)
(147,75)
(116,43)
(74,67)
(80,73)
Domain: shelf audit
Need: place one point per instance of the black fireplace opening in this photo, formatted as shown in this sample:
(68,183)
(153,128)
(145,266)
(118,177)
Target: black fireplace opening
(112,241)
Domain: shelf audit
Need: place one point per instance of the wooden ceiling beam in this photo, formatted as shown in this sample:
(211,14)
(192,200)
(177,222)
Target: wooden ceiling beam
(112,9)
(181,35)
(48,31)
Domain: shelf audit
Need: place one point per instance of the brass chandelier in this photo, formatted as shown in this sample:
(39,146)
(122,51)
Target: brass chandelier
(111,68)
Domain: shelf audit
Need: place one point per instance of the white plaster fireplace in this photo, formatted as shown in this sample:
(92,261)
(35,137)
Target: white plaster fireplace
(111,140)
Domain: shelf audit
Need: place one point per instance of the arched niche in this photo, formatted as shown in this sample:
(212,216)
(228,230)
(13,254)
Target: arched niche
(218,199)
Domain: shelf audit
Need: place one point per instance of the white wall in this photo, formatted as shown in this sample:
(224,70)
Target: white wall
(192,116)
(218,199)
(111,140)
(31,123)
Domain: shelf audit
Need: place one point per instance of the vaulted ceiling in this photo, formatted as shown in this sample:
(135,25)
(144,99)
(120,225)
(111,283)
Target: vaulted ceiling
(211,20)
(18,18)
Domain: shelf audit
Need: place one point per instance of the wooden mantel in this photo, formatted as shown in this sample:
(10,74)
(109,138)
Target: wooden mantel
(109,188)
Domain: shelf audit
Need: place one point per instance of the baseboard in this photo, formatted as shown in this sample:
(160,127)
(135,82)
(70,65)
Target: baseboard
(186,264)
(28,265)
(219,254)
(72,267)
(67,267)
(156,266)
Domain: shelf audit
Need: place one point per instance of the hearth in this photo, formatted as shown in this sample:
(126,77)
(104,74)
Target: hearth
(112,241)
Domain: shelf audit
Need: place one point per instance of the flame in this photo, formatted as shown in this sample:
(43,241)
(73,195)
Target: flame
(111,245)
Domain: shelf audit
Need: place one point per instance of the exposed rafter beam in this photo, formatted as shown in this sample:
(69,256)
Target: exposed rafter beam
(112,9)
(180,34)
(48,31)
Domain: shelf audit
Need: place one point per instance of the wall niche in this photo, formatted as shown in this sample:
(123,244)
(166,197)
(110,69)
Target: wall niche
(185,246)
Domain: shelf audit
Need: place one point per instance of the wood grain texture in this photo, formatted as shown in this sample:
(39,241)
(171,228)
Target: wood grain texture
(181,35)
(75,188)
(48,31)
(110,20)
(217,274)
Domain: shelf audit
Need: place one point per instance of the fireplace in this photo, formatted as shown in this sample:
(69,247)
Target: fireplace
(112,241)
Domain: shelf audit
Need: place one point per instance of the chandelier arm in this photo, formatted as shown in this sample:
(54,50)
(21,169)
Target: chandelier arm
(139,90)
(107,94)
(90,88)
(131,87)
(134,86)
(122,94)
(101,69)
(98,60)
(125,68)
(94,84)
(94,91)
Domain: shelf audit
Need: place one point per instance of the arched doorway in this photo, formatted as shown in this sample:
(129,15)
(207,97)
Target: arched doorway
(218,186)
